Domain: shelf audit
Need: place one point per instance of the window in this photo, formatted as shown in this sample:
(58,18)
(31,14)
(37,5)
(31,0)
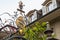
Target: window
(34,16)
(44,9)
(50,7)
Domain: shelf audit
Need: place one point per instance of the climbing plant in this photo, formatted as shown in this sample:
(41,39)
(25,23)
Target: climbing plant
(36,31)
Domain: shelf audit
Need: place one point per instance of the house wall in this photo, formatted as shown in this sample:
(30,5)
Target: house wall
(55,24)
(57,29)
(58,3)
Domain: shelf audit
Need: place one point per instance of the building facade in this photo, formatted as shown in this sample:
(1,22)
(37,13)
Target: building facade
(50,5)
(33,15)
(50,13)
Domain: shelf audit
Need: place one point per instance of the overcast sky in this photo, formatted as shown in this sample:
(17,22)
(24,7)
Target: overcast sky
(11,5)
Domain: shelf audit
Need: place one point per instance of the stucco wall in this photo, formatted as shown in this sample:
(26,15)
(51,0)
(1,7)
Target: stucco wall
(57,29)
(55,24)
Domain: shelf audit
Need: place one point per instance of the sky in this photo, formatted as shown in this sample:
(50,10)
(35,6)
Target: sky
(11,5)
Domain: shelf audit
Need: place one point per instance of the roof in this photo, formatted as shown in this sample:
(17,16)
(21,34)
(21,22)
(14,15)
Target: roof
(45,2)
(3,34)
(31,12)
(39,11)
(8,26)
(58,0)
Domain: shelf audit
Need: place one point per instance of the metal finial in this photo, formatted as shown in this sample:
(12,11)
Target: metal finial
(21,5)
(20,2)
(0,18)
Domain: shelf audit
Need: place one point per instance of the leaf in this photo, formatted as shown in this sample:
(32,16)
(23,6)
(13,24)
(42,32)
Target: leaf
(35,32)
